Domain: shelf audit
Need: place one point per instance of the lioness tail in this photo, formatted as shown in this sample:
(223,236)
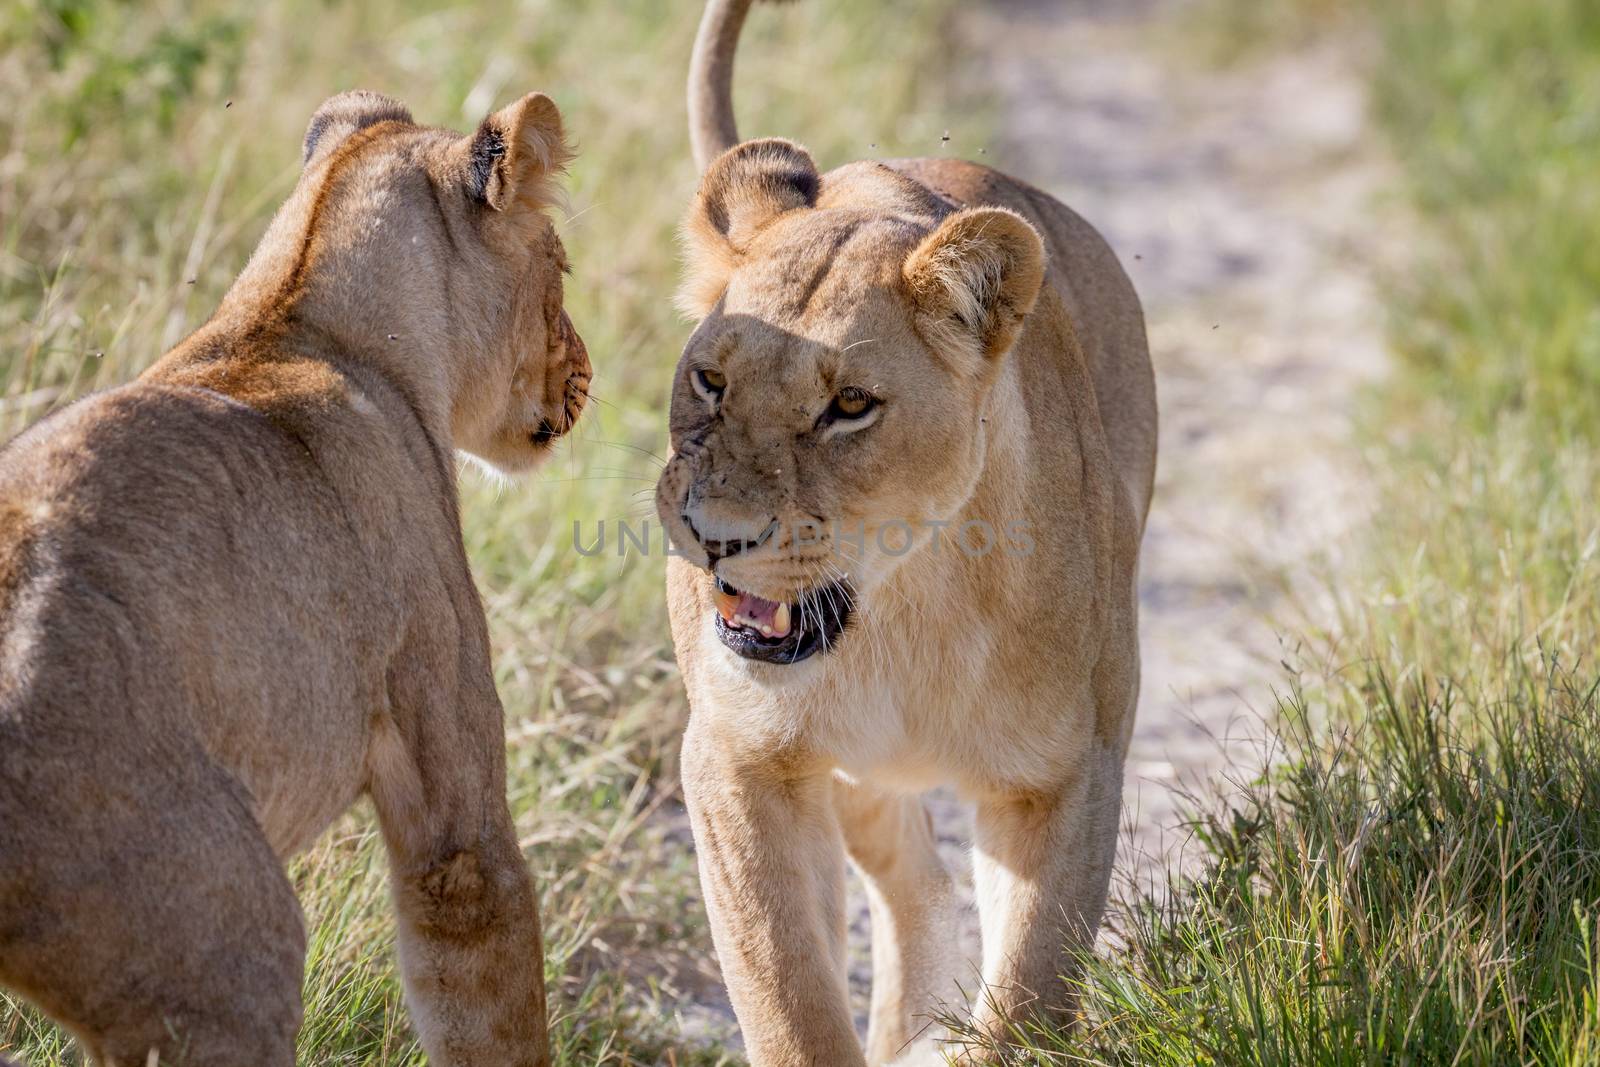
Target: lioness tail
(712,129)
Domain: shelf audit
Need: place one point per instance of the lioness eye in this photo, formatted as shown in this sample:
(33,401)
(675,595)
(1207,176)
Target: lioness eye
(852,403)
(709,383)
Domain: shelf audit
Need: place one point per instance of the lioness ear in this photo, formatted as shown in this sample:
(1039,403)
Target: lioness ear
(340,116)
(742,191)
(516,154)
(975,278)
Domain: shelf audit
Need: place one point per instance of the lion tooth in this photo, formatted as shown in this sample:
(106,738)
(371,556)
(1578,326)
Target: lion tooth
(727,604)
(780,621)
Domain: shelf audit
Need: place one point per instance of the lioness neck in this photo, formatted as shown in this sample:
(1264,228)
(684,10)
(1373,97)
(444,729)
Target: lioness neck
(298,309)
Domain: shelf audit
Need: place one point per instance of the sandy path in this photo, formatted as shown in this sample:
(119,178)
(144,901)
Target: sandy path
(1230,196)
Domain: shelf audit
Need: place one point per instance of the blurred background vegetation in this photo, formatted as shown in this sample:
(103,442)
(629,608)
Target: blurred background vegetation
(143,147)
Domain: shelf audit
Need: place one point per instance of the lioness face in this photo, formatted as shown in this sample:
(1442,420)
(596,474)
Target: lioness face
(828,411)
(533,393)
(455,231)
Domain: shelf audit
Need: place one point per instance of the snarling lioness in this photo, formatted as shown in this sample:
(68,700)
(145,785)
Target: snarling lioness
(914,443)
(234,598)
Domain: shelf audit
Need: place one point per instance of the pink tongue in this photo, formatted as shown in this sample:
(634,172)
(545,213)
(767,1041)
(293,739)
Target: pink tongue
(758,611)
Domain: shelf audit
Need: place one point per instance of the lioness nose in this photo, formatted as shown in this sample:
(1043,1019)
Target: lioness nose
(723,535)
(567,380)
(577,351)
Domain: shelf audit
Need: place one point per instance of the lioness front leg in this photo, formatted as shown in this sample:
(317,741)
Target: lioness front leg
(471,954)
(772,870)
(1043,866)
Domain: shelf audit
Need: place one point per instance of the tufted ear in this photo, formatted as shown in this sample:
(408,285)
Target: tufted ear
(975,278)
(516,155)
(742,191)
(340,116)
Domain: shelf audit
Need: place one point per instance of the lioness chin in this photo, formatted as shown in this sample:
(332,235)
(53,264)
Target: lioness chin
(234,598)
(914,440)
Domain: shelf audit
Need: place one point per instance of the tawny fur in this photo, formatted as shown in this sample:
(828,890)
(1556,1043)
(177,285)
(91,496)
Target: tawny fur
(234,598)
(1009,353)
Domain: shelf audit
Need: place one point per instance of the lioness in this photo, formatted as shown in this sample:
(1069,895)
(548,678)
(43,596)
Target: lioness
(234,597)
(914,441)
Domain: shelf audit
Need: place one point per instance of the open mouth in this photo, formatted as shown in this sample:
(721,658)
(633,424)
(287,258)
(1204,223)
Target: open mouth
(774,632)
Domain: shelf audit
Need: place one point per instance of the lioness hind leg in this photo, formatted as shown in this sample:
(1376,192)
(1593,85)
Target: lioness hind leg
(155,920)
(911,898)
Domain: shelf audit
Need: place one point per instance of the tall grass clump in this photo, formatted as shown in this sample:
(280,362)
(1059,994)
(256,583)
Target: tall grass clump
(143,148)
(1417,879)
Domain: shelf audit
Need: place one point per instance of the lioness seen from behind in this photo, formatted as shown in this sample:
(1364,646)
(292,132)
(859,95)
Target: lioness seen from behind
(234,598)
(914,440)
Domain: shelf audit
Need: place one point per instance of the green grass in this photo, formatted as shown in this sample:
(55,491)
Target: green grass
(1418,882)
(143,148)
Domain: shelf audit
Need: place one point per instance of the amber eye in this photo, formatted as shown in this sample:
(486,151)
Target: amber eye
(852,403)
(709,384)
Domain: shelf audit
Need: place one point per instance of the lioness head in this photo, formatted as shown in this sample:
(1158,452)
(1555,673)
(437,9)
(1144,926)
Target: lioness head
(439,246)
(828,411)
